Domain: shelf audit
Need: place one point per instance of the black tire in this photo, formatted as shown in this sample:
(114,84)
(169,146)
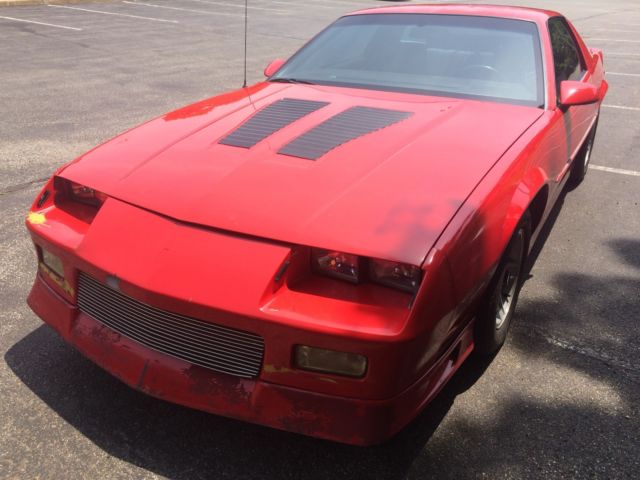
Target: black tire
(496,311)
(581,162)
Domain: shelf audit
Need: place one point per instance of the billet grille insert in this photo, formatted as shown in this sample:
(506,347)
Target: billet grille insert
(269,120)
(341,128)
(211,346)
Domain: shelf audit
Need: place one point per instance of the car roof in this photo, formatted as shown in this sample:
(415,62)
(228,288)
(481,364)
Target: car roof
(501,11)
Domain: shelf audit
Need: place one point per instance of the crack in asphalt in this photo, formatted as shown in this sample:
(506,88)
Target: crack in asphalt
(596,15)
(21,186)
(586,351)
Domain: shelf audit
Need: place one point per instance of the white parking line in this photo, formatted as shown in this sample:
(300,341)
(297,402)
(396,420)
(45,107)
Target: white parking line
(624,74)
(114,13)
(614,28)
(620,171)
(622,54)
(290,5)
(41,23)
(334,2)
(239,5)
(622,107)
(609,30)
(206,12)
(591,39)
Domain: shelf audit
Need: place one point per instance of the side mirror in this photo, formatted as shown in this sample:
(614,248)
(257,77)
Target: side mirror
(273,67)
(577,93)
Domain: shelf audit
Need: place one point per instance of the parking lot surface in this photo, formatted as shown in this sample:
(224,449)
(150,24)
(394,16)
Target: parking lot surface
(560,400)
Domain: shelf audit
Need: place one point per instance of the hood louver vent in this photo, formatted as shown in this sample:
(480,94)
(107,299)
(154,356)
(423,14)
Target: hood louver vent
(341,128)
(269,120)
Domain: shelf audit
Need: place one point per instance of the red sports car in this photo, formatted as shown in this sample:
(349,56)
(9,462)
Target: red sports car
(321,251)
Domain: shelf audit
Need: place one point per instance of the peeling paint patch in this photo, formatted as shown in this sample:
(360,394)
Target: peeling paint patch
(327,379)
(55,278)
(275,369)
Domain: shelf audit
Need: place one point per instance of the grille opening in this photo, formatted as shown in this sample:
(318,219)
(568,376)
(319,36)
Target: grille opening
(218,348)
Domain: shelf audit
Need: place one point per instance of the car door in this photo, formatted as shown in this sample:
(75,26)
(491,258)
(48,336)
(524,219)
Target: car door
(569,64)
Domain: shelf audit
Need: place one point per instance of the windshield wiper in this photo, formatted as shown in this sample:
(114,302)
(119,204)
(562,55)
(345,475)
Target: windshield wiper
(291,80)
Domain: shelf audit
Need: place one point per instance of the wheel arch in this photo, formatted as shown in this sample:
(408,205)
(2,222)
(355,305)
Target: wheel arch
(532,195)
(538,206)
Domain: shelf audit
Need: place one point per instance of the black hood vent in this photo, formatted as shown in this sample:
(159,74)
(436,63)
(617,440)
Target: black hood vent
(341,128)
(269,120)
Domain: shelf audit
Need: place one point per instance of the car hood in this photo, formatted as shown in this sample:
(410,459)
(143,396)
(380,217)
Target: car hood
(385,194)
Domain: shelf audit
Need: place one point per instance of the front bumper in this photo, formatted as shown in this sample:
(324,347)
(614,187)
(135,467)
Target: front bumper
(337,418)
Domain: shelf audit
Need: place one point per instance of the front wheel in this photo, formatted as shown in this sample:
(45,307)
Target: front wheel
(494,315)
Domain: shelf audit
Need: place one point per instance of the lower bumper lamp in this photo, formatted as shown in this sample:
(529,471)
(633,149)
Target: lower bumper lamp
(330,361)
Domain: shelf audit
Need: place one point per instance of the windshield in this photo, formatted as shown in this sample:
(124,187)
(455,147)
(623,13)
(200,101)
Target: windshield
(484,58)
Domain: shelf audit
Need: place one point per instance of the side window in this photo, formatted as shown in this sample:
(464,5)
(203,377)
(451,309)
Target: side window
(567,59)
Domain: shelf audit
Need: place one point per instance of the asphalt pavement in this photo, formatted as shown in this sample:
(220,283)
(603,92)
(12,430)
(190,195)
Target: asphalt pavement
(560,400)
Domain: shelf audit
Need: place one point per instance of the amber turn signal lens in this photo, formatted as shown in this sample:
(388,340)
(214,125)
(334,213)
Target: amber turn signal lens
(330,361)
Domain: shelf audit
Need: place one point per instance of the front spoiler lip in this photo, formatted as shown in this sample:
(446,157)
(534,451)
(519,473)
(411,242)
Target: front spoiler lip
(346,420)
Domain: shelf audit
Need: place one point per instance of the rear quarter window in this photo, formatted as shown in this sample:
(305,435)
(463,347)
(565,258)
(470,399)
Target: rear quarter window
(567,58)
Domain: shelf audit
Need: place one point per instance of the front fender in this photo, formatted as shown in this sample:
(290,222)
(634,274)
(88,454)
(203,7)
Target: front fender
(475,239)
